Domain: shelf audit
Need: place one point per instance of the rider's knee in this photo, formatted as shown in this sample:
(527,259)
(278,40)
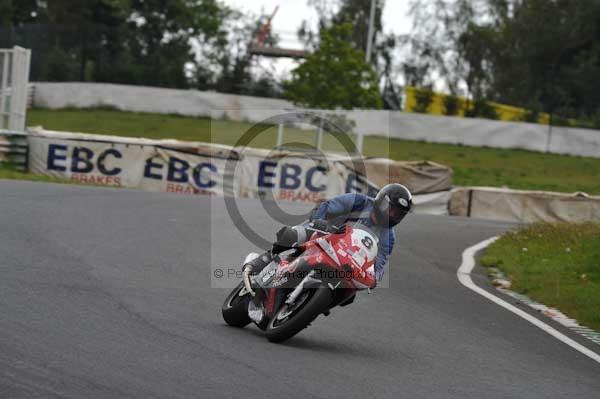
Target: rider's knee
(258,264)
(288,237)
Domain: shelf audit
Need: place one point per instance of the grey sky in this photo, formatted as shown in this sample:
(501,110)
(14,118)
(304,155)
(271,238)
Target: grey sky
(291,13)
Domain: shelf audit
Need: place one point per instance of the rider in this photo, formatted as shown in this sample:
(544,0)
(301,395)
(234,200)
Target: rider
(381,214)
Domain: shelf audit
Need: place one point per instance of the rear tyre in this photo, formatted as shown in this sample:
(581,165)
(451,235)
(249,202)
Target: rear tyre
(235,308)
(281,328)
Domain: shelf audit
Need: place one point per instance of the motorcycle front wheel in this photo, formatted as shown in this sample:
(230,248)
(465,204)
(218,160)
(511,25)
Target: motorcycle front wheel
(290,320)
(235,308)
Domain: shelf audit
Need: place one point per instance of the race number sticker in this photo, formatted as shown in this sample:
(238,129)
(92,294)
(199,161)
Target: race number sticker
(367,244)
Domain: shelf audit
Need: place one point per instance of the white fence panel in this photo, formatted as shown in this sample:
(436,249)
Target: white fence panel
(14,79)
(394,124)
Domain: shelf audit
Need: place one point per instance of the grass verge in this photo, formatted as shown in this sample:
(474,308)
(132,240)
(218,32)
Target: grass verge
(8,171)
(472,166)
(555,264)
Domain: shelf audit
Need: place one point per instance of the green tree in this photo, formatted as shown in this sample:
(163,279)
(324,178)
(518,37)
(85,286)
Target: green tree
(236,74)
(160,36)
(423,97)
(6,11)
(551,58)
(335,75)
(100,30)
(18,12)
(451,105)
(537,54)
(357,13)
(151,42)
(354,12)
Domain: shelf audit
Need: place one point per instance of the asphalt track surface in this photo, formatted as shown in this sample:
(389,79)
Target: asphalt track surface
(107,294)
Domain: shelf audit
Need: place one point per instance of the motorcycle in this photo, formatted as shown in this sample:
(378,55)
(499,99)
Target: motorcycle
(324,272)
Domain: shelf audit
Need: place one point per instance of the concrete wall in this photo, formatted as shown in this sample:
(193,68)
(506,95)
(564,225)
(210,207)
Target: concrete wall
(396,124)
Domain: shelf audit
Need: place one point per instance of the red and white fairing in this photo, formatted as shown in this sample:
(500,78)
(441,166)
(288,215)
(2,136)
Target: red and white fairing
(353,251)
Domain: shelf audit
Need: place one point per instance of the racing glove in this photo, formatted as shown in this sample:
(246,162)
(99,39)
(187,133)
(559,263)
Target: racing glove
(319,224)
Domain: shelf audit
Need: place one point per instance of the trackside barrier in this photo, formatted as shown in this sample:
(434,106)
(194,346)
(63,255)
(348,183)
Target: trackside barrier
(524,206)
(14,148)
(213,169)
(201,168)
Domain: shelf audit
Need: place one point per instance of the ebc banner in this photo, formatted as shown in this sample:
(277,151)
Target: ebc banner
(286,178)
(183,173)
(145,166)
(301,179)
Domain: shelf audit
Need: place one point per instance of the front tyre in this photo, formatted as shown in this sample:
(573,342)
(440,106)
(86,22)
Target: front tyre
(288,322)
(235,308)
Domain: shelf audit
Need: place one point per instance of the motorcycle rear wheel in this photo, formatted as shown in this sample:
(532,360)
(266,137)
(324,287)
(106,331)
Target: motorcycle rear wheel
(281,329)
(235,308)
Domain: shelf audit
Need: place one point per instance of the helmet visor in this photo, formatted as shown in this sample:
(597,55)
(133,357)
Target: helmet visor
(395,215)
(391,215)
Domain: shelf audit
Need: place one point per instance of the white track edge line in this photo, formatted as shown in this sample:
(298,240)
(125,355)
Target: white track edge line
(464,276)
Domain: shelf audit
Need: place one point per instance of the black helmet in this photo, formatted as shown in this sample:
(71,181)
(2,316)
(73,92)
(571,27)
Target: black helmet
(392,203)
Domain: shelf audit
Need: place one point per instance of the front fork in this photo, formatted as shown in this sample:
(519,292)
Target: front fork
(246,278)
(257,286)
